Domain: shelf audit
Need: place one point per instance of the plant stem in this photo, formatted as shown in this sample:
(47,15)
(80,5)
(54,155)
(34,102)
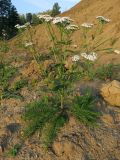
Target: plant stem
(61,101)
(53,36)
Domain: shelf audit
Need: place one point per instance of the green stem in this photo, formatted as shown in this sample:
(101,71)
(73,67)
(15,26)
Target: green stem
(61,99)
(53,36)
(101,43)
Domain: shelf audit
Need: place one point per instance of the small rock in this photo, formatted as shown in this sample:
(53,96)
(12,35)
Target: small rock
(13,127)
(107,119)
(58,148)
(111,93)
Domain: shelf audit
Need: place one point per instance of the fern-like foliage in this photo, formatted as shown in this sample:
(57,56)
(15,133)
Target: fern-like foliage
(53,127)
(84,109)
(45,113)
(47,116)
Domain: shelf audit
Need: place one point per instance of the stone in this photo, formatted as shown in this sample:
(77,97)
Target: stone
(111,93)
(58,148)
(13,127)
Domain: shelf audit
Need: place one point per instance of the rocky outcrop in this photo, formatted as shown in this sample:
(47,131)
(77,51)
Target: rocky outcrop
(111,93)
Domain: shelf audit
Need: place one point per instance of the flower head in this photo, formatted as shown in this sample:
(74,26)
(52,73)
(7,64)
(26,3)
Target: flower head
(17,26)
(28,44)
(62,21)
(103,19)
(91,56)
(20,26)
(87,25)
(45,17)
(72,27)
(75,58)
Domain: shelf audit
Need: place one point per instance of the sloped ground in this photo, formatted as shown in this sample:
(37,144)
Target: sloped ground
(75,141)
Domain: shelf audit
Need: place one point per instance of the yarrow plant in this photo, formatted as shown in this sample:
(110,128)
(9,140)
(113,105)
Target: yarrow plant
(28,39)
(90,56)
(46,18)
(18,26)
(103,19)
(75,58)
(92,41)
(64,21)
(53,111)
(87,25)
(72,27)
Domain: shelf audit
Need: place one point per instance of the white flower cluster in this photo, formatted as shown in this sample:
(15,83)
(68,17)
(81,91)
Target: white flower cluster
(72,27)
(75,58)
(62,20)
(56,20)
(22,26)
(28,44)
(101,18)
(87,25)
(45,17)
(117,51)
(91,56)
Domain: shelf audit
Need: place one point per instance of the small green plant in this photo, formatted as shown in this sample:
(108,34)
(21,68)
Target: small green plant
(6,73)
(11,93)
(84,109)
(14,151)
(20,84)
(88,72)
(105,72)
(4,47)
